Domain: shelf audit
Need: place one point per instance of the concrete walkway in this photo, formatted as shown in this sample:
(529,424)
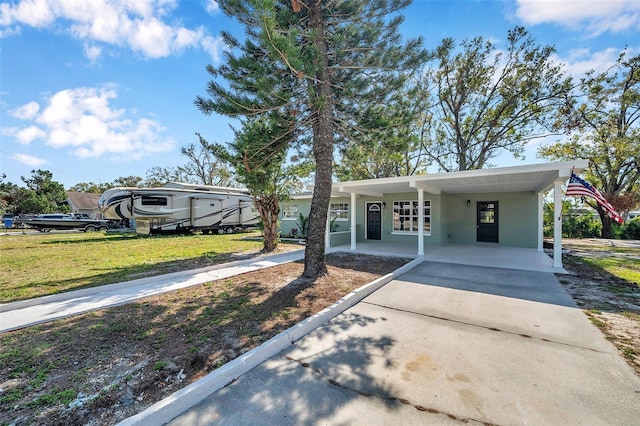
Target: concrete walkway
(440,344)
(41,309)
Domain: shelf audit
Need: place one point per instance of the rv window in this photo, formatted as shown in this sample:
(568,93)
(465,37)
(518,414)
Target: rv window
(153,201)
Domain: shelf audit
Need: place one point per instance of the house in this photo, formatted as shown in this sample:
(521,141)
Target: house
(84,202)
(488,207)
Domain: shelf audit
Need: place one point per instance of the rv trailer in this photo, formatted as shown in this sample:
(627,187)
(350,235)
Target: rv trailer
(182,208)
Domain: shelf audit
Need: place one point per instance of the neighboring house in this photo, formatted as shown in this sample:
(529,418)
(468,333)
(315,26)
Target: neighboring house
(84,202)
(501,206)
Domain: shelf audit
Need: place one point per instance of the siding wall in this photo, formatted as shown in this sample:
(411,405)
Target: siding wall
(451,220)
(517,218)
(286,225)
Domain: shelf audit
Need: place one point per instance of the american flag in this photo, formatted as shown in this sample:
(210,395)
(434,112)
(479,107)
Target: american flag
(581,188)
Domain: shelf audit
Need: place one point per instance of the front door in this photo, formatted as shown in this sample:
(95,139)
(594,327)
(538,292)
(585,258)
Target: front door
(487,224)
(374,221)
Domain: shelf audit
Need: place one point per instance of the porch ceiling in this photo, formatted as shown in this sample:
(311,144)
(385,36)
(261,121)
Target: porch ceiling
(529,178)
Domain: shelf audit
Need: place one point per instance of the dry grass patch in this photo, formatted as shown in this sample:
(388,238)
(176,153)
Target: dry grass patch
(101,367)
(604,282)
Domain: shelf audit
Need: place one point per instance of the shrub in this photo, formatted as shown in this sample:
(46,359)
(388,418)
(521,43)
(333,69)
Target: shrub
(585,226)
(631,230)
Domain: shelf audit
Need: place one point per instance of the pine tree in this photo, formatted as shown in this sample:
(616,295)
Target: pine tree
(321,62)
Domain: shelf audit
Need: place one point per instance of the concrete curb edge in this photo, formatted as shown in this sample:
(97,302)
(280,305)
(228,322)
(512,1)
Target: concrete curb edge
(175,404)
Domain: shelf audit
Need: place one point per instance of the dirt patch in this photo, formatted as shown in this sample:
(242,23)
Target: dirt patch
(104,366)
(611,303)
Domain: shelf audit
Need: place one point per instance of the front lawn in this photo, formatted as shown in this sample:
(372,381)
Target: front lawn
(38,265)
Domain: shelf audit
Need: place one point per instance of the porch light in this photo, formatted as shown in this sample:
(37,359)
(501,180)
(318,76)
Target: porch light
(384,204)
(468,203)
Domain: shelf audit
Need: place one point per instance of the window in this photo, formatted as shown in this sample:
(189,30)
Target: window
(148,200)
(489,214)
(289,212)
(340,211)
(405,217)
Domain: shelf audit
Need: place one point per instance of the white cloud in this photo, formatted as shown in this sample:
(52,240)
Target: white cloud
(84,121)
(29,134)
(212,6)
(26,111)
(92,52)
(140,25)
(212,46)
(579,61)
(596,17)
(35,13)
(29,160)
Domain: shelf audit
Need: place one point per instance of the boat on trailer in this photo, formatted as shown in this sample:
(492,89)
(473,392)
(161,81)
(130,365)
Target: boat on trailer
(181,208)
(62,221)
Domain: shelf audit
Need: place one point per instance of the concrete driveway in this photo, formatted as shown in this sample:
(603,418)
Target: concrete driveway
(443,344)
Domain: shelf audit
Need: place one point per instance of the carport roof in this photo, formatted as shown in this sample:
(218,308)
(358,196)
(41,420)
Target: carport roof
(528,178)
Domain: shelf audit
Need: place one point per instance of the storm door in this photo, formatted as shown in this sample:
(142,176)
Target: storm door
(374,221)
(487,223)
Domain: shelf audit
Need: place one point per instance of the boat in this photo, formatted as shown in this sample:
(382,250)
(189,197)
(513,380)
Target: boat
(181,208)
(62,221)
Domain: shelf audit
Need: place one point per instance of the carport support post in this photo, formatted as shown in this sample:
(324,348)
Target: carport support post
(420,222)
(557,223)
(353,221)
(540,221)
(327,232)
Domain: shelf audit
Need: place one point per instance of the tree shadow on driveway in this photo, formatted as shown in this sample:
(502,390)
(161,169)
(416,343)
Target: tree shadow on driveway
(309,383)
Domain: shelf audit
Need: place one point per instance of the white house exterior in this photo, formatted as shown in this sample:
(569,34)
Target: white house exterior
(499,206)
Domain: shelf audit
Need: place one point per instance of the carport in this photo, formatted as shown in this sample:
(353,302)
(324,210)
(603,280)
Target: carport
(454,207)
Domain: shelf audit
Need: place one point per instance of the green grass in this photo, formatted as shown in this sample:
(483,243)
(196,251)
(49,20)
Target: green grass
(56,397)
(159,365)
(38,265)
(622,267)
(596,321)
(628,352)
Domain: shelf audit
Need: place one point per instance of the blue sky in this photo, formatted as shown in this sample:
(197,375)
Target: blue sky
(93,90)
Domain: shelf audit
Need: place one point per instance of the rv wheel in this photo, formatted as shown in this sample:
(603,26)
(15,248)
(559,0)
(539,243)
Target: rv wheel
(90,228)
(220,231)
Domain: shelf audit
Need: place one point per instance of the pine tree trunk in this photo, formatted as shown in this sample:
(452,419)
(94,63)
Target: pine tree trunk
(314,256)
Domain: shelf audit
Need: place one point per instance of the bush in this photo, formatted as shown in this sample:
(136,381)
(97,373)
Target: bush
(631,230)
(585,226)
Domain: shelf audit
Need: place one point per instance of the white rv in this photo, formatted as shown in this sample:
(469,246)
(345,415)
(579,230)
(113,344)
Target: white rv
(181,208)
